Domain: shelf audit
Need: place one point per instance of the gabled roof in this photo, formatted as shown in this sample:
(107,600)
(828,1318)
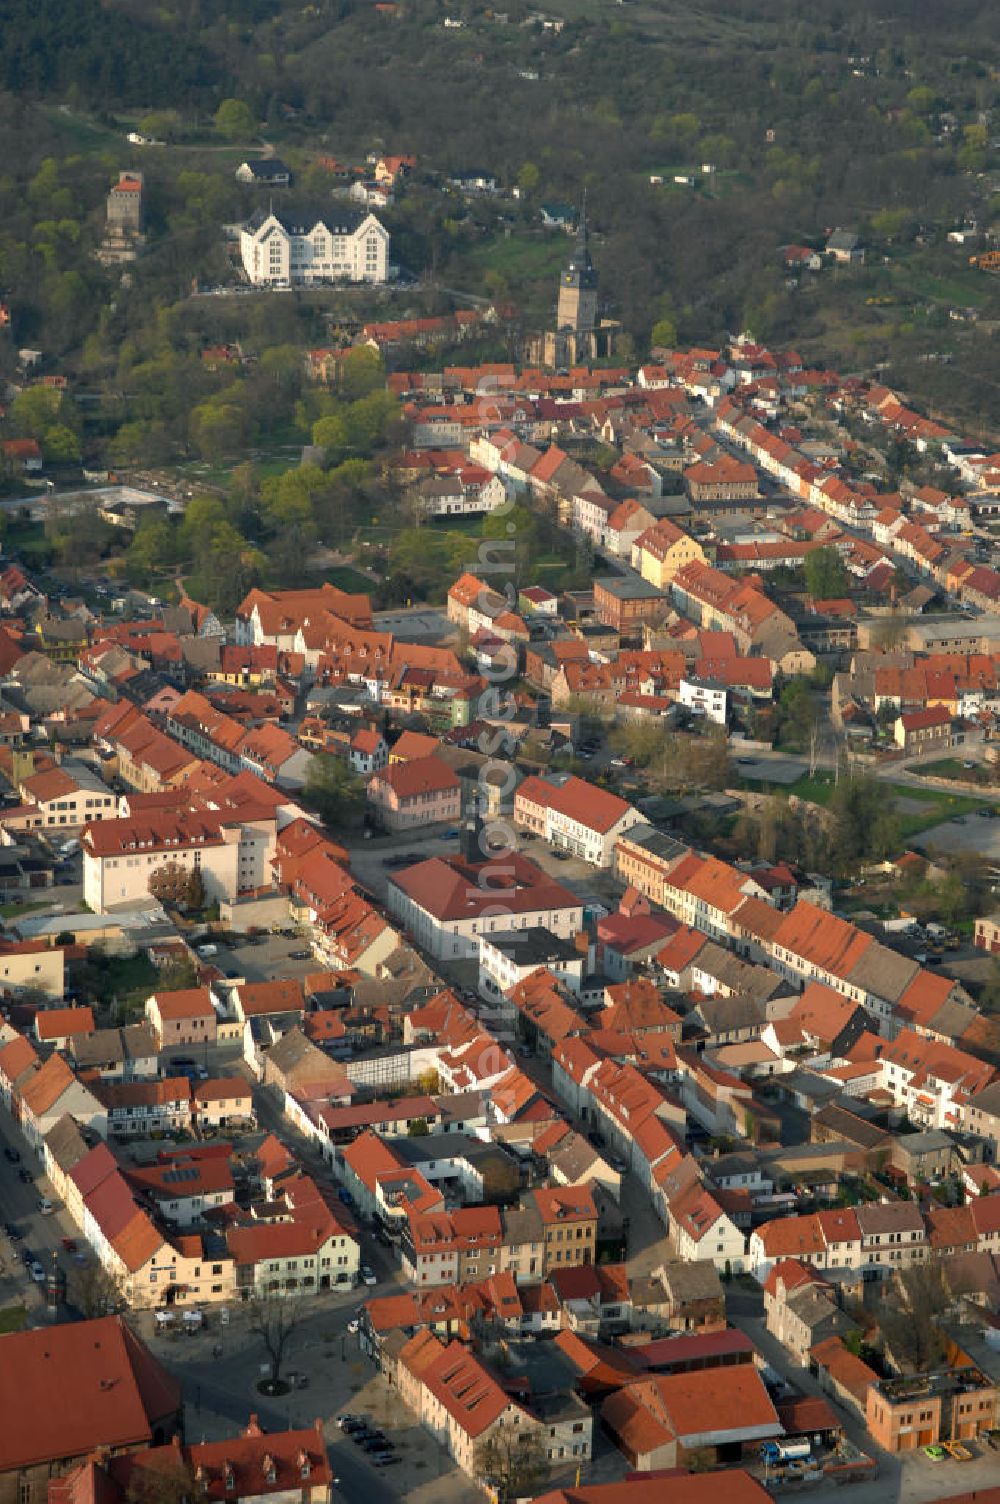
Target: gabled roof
(67,1389)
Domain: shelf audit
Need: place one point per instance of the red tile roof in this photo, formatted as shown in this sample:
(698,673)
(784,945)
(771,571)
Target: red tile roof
(466,1390)
(452,889)
(67,1389)
(237,1466)
(189,1002)
(576,799)
(412,779)
(54,1023)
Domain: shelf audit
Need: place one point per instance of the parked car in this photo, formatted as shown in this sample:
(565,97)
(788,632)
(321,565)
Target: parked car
(46,1207)
(347,1419)
(367,1275)
(25,1176)
(354,1325)
(11,1154)
(37,1273)
(69,1244)
(300,955)
(935,1453)
(957,1450)
(12,1230)
(385,1459)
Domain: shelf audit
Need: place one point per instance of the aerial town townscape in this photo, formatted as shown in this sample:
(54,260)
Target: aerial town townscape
(499,814)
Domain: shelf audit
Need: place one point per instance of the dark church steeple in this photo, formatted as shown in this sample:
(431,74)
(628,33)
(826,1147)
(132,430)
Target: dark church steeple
(577,308)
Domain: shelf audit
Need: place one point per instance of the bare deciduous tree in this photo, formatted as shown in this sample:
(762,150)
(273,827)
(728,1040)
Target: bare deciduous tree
(512,1458)
(94,1291)
(274,1318)
(909,1317)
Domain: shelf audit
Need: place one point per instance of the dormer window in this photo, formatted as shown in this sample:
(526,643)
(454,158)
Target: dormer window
(270,1469)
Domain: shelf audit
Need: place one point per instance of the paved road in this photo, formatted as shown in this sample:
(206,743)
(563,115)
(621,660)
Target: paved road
(39,1235)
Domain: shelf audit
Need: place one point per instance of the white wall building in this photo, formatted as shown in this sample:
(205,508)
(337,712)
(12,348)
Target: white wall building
(348,245)
(704,697)
(445,906)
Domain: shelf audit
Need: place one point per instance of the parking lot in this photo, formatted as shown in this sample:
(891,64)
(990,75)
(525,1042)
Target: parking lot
(220,1367)
(967,833)
(264,957)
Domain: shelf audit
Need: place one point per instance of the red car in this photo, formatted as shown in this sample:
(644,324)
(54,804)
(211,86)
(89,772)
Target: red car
(69,1244)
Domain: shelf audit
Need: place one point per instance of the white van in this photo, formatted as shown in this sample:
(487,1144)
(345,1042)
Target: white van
(208,951)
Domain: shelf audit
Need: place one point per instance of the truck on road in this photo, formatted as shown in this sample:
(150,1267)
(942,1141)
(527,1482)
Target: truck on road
(785,1451)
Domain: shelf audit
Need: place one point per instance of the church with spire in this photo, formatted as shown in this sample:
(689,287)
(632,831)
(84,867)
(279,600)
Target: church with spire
(579,337)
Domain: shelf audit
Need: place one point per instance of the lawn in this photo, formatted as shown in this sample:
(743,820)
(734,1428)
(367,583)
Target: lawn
(938,805)
(952,767)
(468,527)
(818,789)
(14,910)
(346,578)
(521,260)
(12,1319)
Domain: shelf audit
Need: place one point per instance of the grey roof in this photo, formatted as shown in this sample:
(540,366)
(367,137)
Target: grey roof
(574,1157)
(930,1142)
(533,946)
(741,1162)
(816,1307)
(103,1047)
(988,1100)
(201,653)
(66,1143)
(889,1216)
(953,1018)
(720,1015)
(523,1224)
(808,1084)
(435,1146)
(693,1281)
(626,587)
(266,169)
(459,1106)
(338,218)
(883,972)
(139,1040)
(849,1126)
(750,981)
(657,842)
(842,240)
(972,1274)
